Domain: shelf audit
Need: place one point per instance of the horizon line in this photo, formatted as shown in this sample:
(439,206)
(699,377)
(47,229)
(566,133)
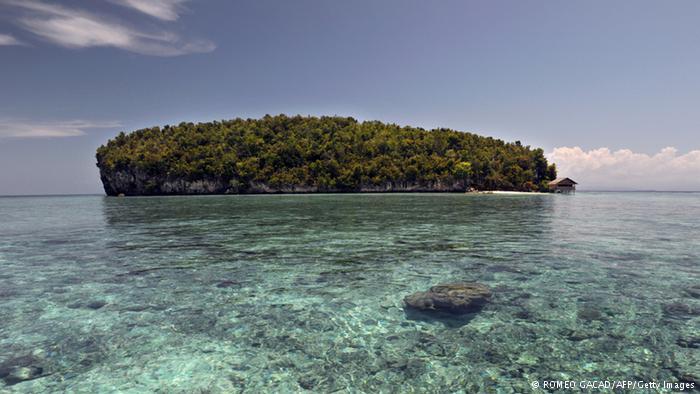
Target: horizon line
(283,194)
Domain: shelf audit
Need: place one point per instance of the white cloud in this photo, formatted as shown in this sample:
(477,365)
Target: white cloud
(167,10)
(6,39)
(73,28)
(603,169)
(29,129)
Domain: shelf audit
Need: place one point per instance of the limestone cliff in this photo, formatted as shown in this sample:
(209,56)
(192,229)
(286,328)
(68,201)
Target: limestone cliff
(138,183)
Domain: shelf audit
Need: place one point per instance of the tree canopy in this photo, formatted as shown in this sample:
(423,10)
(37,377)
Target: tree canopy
(328,153)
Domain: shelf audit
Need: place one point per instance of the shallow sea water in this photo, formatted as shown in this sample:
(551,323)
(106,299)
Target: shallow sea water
(302,293)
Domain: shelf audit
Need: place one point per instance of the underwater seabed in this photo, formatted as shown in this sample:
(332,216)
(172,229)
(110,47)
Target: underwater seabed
(304,293)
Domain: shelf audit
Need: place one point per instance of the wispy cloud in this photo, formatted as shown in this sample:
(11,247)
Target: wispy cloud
(6,39)
(30,129)
(627,170)
(167,10)
(73,28)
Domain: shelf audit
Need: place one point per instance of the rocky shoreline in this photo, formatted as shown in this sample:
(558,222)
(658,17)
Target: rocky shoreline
(139,183)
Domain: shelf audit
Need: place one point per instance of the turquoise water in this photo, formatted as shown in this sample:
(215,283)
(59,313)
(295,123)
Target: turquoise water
(293,293)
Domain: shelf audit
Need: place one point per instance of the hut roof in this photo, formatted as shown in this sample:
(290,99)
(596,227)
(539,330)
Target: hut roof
(563,182)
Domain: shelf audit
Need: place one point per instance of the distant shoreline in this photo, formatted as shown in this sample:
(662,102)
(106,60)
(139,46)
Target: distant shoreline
(495,192)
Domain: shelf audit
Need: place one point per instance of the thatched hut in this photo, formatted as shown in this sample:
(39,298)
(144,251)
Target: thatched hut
(563,185)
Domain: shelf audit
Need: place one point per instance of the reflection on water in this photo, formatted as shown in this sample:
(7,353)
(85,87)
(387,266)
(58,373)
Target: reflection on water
(291,293)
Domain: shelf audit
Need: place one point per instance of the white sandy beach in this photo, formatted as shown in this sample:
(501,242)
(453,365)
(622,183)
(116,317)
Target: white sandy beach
(506,192)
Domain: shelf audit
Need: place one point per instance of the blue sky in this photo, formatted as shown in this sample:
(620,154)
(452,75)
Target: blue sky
(604,87)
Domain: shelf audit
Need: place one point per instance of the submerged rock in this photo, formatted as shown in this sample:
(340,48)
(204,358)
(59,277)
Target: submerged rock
(523,314)
(688,341)
(226,283)
(454,298)
(679,310)
(96,304)
(693,291)
(20,374)
(307,382)
(578,334)
(589,314)
(20,369)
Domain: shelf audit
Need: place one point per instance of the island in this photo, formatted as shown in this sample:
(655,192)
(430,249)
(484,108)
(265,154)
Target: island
(307,154)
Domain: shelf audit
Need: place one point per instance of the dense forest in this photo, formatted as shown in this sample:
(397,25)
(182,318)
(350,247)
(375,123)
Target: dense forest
(313,154)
